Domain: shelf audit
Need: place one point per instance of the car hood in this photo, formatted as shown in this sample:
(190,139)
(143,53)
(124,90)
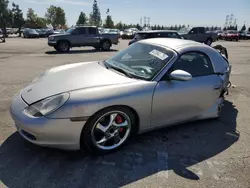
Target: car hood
(71,77)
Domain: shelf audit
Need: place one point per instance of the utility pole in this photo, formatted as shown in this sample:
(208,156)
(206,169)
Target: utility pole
(148,21)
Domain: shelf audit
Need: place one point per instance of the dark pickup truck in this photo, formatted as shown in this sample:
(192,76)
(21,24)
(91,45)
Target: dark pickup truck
(198,34)
(79,36)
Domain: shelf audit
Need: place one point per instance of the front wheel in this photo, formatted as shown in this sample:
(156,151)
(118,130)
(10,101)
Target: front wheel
(63,46)
(209,42)
(108,130)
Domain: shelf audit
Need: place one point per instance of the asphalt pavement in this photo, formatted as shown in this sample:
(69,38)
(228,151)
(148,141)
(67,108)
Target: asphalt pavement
(211,153)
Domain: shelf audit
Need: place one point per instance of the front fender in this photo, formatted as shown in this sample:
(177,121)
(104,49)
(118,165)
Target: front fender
(86,102)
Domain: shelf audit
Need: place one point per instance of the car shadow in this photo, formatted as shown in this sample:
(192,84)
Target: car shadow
(155,153)
(79,51)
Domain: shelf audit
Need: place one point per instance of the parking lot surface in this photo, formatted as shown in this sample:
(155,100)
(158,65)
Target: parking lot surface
(211,153)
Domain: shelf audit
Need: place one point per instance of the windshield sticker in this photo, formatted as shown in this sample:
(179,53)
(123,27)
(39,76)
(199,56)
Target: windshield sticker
(158,54)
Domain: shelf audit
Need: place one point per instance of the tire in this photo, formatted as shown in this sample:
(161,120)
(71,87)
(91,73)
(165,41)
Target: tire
(209,42)
(88,139)
(105,45)
(63,46)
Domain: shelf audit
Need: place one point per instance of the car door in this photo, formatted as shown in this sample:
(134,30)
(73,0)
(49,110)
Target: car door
(78,37)
(201,36)
(193,34)
(92,36)
(176,101)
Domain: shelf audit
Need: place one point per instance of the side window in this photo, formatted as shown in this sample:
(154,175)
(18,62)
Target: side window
(154,35)
(196,63)
(202,30)
(173,35)
(92,30)
(165,35)
(80,31)
(194,30)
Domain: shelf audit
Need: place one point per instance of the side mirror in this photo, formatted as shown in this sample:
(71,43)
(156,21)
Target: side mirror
(191,32)
(180,75)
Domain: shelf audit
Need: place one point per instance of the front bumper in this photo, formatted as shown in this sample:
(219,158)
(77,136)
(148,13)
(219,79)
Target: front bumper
(56,133)
(52,43)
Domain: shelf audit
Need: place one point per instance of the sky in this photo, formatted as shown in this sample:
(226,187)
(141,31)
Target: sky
(162,12)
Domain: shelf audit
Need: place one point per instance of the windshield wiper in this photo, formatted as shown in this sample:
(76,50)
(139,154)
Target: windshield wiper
(120,70)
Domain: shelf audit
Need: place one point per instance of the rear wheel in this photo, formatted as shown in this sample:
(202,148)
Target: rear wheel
(108,130)
(105,45)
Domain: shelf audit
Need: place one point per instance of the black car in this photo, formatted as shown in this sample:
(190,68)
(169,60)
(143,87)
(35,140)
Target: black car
(30,33)
(42,32)
(154,34)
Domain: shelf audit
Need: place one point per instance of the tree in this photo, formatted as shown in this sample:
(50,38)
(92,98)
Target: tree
(82,19)
(18,19)
(33,21)
(40,22)
(243,28)
(9,18)
(55,16)
(95,15)
(175,27)
(31,18)
(119,26)
(108,22)
(3,14)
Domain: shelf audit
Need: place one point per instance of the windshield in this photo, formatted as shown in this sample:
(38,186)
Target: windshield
(141,60)
(32,31)
(127,30)
(70,30)
(184,30)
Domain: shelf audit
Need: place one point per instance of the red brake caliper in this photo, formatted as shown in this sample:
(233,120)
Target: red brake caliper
(119,120)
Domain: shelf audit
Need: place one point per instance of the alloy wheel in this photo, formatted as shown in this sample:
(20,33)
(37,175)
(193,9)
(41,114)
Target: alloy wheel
(111,130)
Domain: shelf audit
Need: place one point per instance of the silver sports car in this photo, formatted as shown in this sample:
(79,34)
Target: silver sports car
(99,105)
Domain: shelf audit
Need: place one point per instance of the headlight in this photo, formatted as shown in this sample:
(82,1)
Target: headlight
(48,105)
(51,38)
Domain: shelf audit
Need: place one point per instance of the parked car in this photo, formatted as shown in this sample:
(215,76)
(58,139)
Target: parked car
(154,34)
(83,36)
(99,105)
(198,34)
(219,33)
(248,35)
(231,35)
(42,32)
(129,33)
(2,38)
(30,33)
(49,32)
(242,35)
(115,31)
